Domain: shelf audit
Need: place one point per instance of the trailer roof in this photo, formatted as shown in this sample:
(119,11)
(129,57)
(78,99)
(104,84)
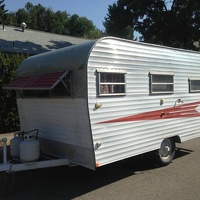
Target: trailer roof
(75,57)
(67,58)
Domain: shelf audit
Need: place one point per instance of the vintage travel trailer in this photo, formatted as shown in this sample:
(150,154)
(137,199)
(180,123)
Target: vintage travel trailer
(109,99)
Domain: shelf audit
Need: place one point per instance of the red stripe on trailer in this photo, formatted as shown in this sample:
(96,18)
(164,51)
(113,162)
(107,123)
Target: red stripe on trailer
(180,111)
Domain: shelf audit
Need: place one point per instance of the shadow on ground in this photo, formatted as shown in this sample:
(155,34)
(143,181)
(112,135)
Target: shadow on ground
(71,182)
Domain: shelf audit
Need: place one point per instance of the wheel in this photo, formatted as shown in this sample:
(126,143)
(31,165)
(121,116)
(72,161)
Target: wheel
(166,152)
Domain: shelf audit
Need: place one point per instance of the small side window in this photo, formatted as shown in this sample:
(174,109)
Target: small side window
(111,83)
(161,83)
(194,85)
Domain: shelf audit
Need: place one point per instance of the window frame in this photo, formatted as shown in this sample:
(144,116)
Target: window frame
(160,73)
(110,71)
(190,85)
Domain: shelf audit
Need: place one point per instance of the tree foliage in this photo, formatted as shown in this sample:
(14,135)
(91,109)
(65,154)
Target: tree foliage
(119,21)
(172,23)
(40,18)
(9,120)
(2,12)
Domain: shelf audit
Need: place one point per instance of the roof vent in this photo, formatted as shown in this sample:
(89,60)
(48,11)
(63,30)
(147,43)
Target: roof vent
(23,25)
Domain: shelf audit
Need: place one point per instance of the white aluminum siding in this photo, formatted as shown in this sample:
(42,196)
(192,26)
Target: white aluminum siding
(121,140)
(63,124)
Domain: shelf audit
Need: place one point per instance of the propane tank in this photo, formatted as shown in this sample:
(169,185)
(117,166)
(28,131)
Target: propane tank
(14,144)
(29,148)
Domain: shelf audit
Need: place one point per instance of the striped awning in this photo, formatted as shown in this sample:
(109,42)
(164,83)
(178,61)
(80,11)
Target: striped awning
(39,82)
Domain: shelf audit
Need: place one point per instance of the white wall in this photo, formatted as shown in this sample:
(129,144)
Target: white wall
(124,139)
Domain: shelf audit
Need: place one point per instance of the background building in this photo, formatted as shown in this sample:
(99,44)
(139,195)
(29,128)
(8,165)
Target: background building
(14,40)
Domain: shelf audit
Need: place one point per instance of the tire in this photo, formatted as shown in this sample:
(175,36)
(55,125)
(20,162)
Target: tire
(166,152)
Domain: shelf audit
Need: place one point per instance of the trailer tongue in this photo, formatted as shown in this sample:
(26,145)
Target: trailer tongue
(25,154)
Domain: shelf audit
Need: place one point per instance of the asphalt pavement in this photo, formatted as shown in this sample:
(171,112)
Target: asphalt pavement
(131,179)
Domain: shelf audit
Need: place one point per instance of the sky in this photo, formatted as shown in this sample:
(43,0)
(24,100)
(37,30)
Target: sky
(94,10)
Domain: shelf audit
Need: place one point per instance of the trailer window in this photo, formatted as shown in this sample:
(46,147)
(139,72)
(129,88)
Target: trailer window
(194,85)
(111,84)
(161,83)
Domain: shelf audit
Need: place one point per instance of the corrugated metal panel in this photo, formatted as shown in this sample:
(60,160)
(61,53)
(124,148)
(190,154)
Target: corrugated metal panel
(41,82)
(63,124)
(120,140)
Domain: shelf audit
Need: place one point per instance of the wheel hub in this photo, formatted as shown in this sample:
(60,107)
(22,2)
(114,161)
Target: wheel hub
(165,148)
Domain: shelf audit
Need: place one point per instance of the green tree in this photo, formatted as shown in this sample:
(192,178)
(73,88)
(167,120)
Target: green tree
(11,19)
(171,23)
(94,34)
(40,18)
(119,22)
(9,120)
(3,12)
(82,27)
(59,23)
(22,16)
